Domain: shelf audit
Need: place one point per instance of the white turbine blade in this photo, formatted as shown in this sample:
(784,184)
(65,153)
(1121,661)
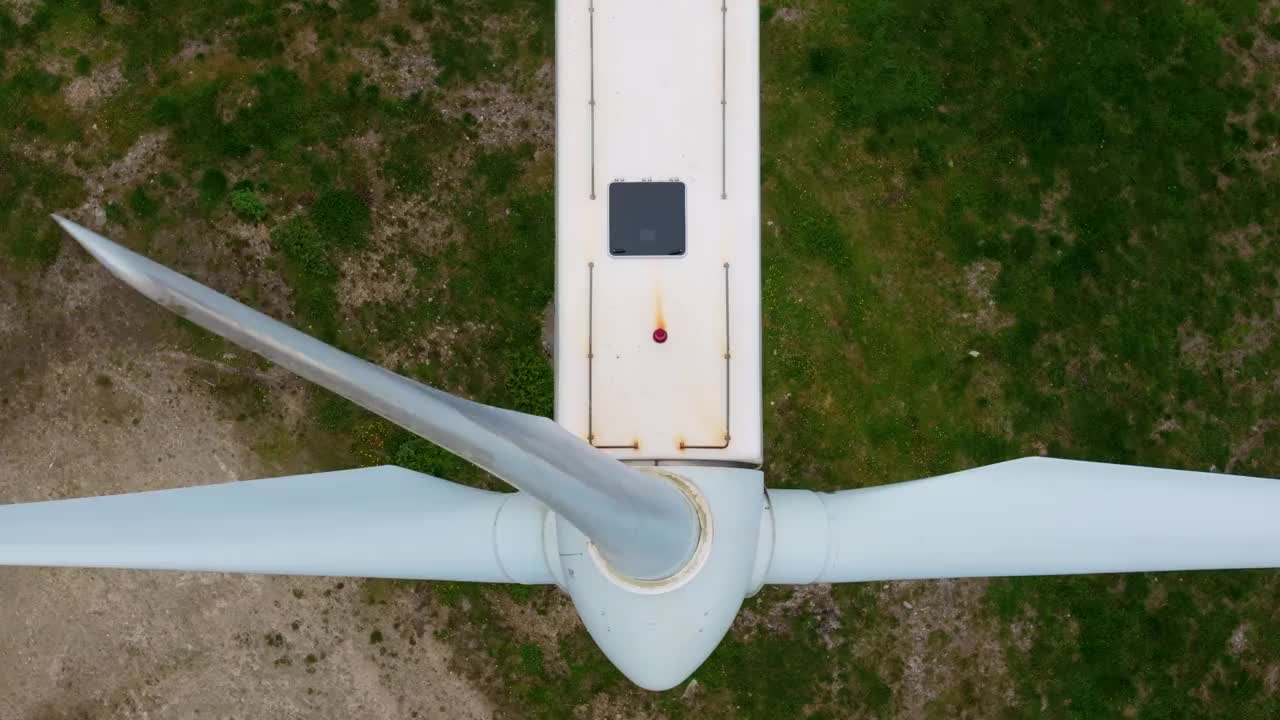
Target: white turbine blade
(1034,516)
(644,524)
(373,522)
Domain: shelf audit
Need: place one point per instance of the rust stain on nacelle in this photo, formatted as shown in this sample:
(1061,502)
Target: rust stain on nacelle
(659,317)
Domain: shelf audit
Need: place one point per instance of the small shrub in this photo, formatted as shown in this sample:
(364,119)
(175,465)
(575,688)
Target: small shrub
(31,82)
(312,275)
(247,205)
(116,214)
(192,112)
(83,65)
(142,205)
(213,186)
(300,242)
(1268,123)
(8,31)
(822,62)
(360,9)
(461,57)
(501,167)
(259,44)
(407,165)
(282,117)
(422,10)
(152,48)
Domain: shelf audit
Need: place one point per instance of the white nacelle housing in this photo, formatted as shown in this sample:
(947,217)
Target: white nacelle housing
(657,309)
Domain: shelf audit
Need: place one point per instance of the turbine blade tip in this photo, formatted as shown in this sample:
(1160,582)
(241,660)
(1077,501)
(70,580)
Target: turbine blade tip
(78,232)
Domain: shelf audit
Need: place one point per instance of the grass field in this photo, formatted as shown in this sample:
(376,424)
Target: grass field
(992,229)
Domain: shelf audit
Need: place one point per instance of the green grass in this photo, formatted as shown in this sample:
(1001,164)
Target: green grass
(501,168)
(1105,644)
(312,274)
(144,206)
(29,191)
(342,218)
(981,113)
(31,105)
(530,384)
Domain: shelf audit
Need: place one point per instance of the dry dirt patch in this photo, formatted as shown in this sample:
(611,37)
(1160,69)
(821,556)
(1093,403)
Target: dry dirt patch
(106,405)
(947,641)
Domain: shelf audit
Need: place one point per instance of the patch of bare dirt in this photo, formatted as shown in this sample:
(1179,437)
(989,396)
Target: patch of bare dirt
(305,45)
(545,624)
(197,47)
(789,15)
(1164,426)
(1246,241)
(248,249)
(42,322)
(142,159)
(981,310)
(1239,641)
(604,706)
(505,116)
(1259,59)
(948,644)
(22,10)
(815,601)
(369,148)
(400,73)
(435,344)
(10,322)
(405,220)
(1242,450)
(549,330)
(1053,219)
(136,164)
(1247,337)
(374,277)
(411,221)
(83,93)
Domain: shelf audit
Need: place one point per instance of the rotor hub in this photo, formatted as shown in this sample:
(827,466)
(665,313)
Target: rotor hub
(659,632)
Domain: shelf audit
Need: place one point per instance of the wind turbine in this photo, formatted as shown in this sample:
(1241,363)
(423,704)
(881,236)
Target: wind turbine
(642,500)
